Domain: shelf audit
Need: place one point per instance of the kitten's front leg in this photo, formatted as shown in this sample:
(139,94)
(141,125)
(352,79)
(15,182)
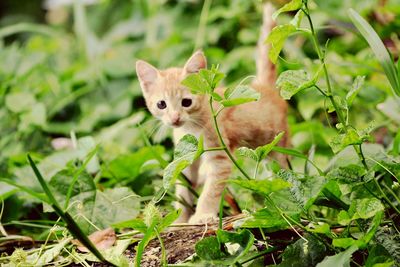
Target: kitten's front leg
(182,192)
(217,168)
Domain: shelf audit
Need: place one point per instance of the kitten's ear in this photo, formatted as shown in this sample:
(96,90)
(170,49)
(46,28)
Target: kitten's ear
(146,73)
(196,62)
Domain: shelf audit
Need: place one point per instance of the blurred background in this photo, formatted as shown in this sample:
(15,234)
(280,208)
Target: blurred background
(67,80)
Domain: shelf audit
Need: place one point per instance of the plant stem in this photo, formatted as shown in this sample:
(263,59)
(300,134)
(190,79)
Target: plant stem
(222,142)
(256,169)
(163,254)
(321,57)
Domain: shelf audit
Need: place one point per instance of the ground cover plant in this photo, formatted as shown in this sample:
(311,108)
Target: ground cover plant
(86,174)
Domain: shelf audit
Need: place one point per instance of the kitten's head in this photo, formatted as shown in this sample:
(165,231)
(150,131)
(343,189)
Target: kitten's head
(166,98)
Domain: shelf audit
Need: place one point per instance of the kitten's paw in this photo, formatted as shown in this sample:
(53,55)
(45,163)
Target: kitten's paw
(203,218)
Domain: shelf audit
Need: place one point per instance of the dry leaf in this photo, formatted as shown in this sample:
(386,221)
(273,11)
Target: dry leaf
(101,239)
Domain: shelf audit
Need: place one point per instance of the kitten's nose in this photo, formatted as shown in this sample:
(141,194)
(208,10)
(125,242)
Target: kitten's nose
(175,119)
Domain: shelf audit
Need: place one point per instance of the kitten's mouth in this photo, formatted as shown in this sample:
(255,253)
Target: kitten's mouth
(177,124)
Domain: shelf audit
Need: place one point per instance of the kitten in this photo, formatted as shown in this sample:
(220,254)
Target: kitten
(252,124)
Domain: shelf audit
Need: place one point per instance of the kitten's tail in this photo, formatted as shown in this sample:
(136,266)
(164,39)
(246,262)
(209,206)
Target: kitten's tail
(266,72)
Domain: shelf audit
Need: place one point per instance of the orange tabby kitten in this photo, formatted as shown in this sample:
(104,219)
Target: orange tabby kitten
(252,124)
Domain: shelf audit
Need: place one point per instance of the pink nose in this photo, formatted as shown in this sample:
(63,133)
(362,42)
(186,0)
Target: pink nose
(175,120)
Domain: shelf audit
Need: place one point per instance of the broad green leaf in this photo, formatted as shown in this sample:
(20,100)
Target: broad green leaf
(302,253)
(378,48)
(347,174)
(244,239)
(239,95)
(264,187)
(389,238)
(291,6)
(186,152)
(277,38)
(378,256)
(340,141)
(209,249)
(291,82)
(100,208)
(355,88)
(322,228)
(187,144)
(360,209)
(126,166)
(196,84)
(305,189)
(341,259)
(270,219)
(373,227)
(21,101)
(344,242)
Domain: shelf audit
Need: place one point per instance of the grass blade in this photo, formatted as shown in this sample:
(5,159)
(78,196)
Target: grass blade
(72,226)
(31,192)
(378,48)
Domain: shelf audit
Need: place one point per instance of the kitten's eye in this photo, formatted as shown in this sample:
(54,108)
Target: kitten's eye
(186,102)
(161,104)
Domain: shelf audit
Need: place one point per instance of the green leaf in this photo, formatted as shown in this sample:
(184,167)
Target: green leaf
(196,84)
(239,95)
(264,187)
(248,153)
(209,249)
(157,225)
(378,256)
(277,38)
(355,88)
(187,144)
(302,253)
(186,152)
(100,208)
(128,166)
(378,48)
(263,151)
(212,76)
(360,209)
(344,242)
(291,82)
(291,6)
(305,189)
(20,101)
(270,219)
(349,174)
(244,239)
(296,21)
(373,227)
(203,82)
(341,141)
(341,259)
(389,238)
